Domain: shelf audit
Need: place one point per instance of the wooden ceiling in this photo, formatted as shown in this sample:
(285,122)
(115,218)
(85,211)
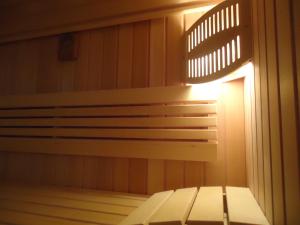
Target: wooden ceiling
(23,19)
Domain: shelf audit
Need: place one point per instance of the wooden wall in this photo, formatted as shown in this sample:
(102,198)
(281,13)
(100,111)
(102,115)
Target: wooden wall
(272,113)
(140,54)
(23,19)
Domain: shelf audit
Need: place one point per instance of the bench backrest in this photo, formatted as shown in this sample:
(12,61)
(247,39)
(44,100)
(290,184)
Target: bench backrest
(160,123)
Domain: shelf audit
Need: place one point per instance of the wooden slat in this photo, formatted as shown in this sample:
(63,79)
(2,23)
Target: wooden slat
(66,203)
(170,110)
(243,208)
(112,122)
(208,207)
(110,97)
(176,209)
(195,151)
(142,214)
(19,218)
(61,212)
(60,193)
(186,134)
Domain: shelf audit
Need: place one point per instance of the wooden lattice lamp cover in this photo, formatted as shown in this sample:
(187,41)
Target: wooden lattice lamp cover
(219,42)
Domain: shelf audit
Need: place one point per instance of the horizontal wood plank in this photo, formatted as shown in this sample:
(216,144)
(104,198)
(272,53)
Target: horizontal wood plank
(141,215)
(68,194)
(186,134)
(20,218)
(112,122)
(67,203)
(61,212)
(243,208)
(176,209)
(151,110)
(208,207)
(152,95)
(194,151)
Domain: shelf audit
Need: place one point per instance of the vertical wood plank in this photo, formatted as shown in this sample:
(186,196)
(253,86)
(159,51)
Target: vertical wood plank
(248,131)
(82,62)
(156,176)
(48,79)
(124,80)
(275,133)
(62,168)
(35,168)
(105,173)
(215,172)
(194,174)
(156,168)
(95,60)
(235,134)
(110,58)
(266,203)
(140,71)
(125,54)
(255,99)
(157,52)
(67,71)
(7,62)
(3,165)
(174,170)
(26,67)
(138,176)
(90,172)
(120,174)
(174,174)
(175,49)
(290,143)
(75,171)
(140,78)
(296,48)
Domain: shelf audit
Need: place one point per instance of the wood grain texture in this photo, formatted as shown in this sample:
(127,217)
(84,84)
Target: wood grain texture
(237,199)
(175,49)
(208,207)
(82,15)
(162,63)
(274,73)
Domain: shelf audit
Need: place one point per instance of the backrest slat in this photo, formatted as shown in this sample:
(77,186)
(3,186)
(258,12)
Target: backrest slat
(113,123)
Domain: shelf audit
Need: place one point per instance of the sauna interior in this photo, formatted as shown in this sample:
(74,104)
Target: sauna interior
(138,112)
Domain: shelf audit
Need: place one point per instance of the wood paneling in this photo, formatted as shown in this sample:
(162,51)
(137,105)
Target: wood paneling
(160,55)
(18,20)
(274,159)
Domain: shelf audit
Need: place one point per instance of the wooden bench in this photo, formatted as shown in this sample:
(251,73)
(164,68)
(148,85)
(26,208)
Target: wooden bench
(176,123)
(243,208)
(25,205)
(206,206)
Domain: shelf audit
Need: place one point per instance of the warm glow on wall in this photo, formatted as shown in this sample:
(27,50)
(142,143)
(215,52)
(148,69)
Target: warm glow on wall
(199,9)
(243,71)
(207,91)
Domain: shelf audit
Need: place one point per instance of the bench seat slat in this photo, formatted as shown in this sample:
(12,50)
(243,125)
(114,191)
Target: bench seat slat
(133,96)
(61,212)
(176,209)
(186,134)
(20,218)
(173,150)
(111,122)
(68,203)
(243,208)
(208,207)
(59,193)
(151,110)
(142,214)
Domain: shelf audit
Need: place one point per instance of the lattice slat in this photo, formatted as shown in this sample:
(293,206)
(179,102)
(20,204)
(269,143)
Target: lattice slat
(219,42)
